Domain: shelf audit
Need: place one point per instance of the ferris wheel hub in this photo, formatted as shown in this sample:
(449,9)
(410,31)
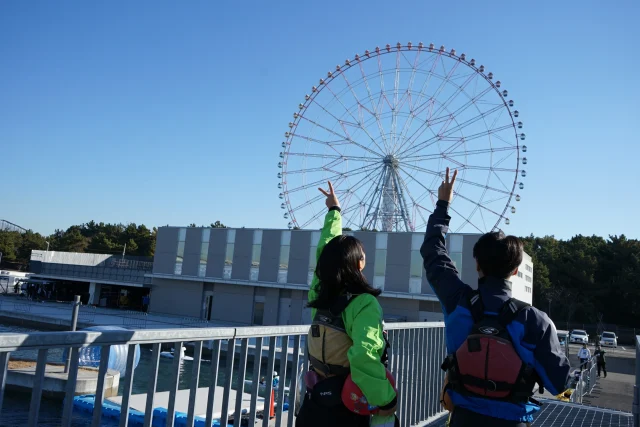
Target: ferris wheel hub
(390,160)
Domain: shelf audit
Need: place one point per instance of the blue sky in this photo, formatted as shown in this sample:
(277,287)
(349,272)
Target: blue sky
(162,113)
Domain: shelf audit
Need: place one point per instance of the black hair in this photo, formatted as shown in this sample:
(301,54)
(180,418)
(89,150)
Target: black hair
(498,255)
(338,270)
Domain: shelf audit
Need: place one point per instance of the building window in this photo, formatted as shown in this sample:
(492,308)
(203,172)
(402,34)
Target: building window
(182,236)
(456,257)
(520,274)
(258,313)
(528,268)
(255,255)
(315,238)
(430,306)
(380,261)
(415,275)
(527,289)
(228,259)
(204,251)
(285,249)
(455,243)
(527,278)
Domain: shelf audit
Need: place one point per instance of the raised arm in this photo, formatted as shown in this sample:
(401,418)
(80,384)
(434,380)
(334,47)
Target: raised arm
(332,228)
(442,273)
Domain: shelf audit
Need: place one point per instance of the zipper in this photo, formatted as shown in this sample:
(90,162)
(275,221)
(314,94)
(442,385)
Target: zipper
(324,333)
(486,366)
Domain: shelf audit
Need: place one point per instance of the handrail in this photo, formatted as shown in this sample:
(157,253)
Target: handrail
(40,340)
(416,352)
(635,409)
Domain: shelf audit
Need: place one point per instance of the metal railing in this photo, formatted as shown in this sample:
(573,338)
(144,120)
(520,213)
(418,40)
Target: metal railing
(417,350)
(635,409)
(586,382)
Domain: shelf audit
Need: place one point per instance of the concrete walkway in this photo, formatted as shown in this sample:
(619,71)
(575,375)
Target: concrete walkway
(615,391)
(57,315)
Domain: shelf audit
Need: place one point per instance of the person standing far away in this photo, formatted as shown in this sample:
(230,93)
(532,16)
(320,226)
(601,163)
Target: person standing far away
(601,360)
(346,343)
(479,391)
(584,355)
(145,303)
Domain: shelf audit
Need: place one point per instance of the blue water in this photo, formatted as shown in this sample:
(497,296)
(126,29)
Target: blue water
(15,409)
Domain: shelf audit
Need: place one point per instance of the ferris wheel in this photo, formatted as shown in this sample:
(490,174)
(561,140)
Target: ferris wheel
(384,126)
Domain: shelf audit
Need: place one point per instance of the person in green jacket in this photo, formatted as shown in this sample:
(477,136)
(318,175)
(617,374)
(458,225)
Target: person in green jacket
(354,343)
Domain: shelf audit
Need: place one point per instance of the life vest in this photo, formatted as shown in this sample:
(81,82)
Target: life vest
(328,342)
(486,364)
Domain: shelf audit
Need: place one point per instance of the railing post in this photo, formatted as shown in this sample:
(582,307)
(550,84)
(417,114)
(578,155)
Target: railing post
(74,324)
(635,409)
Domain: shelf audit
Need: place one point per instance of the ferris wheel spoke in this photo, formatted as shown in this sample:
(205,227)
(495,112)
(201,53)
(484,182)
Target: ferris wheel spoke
(497,199)
(406,189)
(320,141)
(458,179)
(459,89)
(455,153)
(443,84)
(343,137)
(404,207)
(353,190)
(333,156)
(475,203)
(501,182)
(336,176)
(394,109)
(316,216)
(360,108)
(488,168)
(431,141)
(459,110)
(450,207)
(308,202)
(376,187)
(416,147)
(412,108)
(376,113)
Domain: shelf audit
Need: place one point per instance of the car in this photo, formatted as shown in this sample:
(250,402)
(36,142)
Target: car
(579,336)
(609,339)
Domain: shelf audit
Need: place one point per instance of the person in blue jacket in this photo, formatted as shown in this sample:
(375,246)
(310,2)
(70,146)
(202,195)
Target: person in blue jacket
(533,334)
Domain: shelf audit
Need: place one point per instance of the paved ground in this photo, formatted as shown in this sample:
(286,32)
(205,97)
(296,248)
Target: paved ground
(58,314)
(615,391)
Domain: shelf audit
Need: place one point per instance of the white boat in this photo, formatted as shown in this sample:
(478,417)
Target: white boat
(171,354)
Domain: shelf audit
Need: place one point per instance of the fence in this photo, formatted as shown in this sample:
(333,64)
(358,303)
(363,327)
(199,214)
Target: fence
(586,382)
(635,409)
(134,319)
(415,357)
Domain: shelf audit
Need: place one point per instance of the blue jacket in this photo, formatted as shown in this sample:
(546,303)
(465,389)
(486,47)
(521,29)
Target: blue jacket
(533,334)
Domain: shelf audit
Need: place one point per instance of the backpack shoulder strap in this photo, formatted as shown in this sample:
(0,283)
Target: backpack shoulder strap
(333,316)
(476,306)
(510,310)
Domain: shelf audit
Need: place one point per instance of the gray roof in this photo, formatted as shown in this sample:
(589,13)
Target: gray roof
(560,414)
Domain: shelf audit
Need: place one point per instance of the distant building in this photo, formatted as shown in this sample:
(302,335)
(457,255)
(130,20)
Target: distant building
(257,277)
(261,277)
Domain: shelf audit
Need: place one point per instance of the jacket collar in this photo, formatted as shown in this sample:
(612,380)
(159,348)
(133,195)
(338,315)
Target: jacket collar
(494,285)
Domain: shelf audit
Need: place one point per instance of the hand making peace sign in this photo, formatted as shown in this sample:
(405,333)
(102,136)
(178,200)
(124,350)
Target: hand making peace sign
(332,199)
(445,192)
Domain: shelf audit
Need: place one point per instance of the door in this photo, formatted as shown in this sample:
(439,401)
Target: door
(285,311)
(208,304)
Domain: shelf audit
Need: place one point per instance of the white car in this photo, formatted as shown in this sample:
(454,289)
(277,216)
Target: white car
(579,336)
(609,339)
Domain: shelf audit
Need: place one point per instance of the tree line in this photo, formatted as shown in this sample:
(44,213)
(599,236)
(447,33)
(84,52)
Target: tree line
(574,280)
(586,279)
